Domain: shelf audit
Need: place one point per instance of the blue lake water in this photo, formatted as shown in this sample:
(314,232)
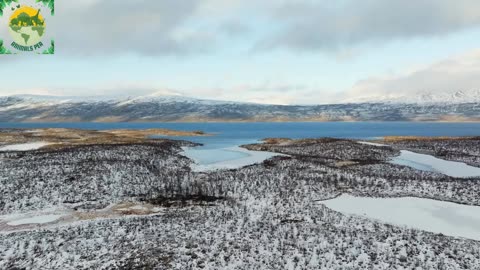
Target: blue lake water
(227,135)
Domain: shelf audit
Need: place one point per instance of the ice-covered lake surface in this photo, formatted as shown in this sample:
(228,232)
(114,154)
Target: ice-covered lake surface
(372,143)
(430,163)
(24,146)
(225,158)
(40,219)
(208,156)
(424,214)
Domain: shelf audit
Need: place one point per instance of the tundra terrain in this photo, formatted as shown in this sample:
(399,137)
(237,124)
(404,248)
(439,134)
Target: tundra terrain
(137,204)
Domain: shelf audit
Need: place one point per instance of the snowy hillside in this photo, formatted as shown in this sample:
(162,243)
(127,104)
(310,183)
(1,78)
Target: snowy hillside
(165,108)
(425,97)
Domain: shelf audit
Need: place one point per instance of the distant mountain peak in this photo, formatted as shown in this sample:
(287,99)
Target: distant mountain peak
(425,97)
(158,97)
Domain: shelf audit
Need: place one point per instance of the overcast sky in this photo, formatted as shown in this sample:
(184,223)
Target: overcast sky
(269,51)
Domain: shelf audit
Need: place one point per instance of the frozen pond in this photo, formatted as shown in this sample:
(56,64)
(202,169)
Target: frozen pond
(35,220)
(211,156)
(24,146)
(225,158)
(424,214)
(372,143)
(430,163)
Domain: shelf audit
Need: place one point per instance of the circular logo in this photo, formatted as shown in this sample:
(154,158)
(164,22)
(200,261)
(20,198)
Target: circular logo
(27,26)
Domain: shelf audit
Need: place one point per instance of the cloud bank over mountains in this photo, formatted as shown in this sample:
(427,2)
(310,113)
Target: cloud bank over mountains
(271,51)
(456,77)
(200,26)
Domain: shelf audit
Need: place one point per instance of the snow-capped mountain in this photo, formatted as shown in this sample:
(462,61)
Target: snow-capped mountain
(114,99)
(424,97)
(177,108)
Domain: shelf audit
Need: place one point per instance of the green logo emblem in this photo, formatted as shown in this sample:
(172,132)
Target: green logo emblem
(27,27)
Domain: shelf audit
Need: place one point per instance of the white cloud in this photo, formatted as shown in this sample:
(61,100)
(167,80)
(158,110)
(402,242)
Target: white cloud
(332,25)
(175,27)
(142,26)
(457,73)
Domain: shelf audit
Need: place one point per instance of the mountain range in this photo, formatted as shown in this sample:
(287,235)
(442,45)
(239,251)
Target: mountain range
(30,108)
(423,97)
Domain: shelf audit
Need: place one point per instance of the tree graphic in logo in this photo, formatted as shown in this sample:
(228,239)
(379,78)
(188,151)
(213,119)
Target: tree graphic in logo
(26,26)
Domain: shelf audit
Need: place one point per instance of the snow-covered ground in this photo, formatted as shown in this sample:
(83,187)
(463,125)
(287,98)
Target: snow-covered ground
(371,143)
(27,220)
(35,220)
(226,158)
(121,201)
(24,146)
(430,163)
(424,214)
(51,217)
